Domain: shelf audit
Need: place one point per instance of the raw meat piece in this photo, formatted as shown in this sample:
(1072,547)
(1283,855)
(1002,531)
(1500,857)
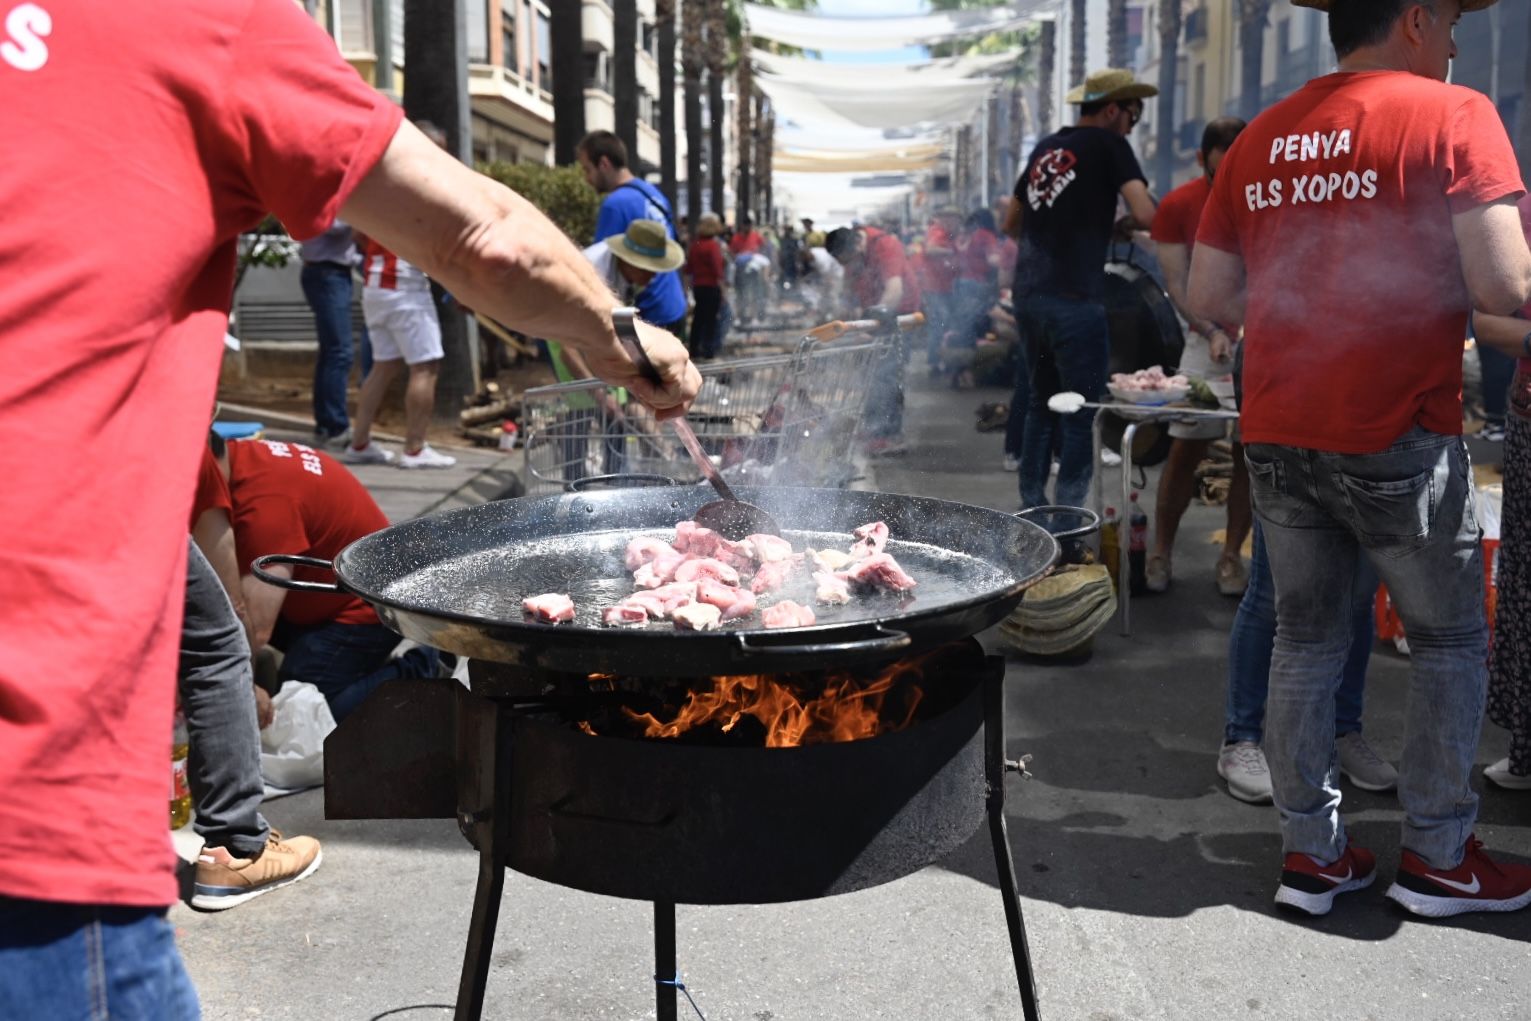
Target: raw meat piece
(549,608)
(697,617)
(787,614)
(832,590)
(879,571)
(645,549)
(696,541)
(1149,380)
(870,539)
(769,549)
(772,576)
(659,571)
(706,567)
(831,559)
(734,602)
(627,614)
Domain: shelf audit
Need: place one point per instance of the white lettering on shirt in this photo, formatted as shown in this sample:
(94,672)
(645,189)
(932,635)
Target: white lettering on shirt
(26,26)
(311,462)
(1313,188)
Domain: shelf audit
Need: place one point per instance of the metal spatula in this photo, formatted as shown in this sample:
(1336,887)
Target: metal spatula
(731,517)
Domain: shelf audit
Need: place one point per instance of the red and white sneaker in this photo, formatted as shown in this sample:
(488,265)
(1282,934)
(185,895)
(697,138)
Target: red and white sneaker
(1478,884)
(1309,886)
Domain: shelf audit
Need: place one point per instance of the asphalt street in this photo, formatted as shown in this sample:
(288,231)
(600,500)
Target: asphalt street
(1146,889)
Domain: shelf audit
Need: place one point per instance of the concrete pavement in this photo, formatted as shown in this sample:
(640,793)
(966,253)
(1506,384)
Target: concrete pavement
(1146,888)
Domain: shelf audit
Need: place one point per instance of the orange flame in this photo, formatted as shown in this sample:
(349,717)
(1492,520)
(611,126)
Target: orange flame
(845,708)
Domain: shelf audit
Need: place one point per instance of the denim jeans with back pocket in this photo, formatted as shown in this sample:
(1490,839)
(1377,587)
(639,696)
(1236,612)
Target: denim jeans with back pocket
(1409,510)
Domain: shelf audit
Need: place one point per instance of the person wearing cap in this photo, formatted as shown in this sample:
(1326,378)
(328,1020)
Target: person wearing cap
(708,272)
(878,275)
(1063,218)
(1351,228)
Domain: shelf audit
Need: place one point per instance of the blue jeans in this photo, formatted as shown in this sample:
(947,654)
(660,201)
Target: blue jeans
(327,286)
(347,661)
(938,315)
(1408,510)
(74,962)
(1254,634)
(1070,348)
(1498,370)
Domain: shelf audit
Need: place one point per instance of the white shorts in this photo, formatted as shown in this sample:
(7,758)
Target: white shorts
(401,324)
(1197,361)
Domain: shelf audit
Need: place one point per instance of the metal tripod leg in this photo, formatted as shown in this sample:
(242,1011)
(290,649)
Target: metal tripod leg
(486,915)
(481,817)
(665,974)
(995,768)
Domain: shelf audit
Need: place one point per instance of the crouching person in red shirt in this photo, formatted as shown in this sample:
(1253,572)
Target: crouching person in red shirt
(289,498)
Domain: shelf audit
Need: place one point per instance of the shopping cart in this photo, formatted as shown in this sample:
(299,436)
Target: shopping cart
(777,420)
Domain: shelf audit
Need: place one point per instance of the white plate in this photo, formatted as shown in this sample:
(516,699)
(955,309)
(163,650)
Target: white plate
(1150,398)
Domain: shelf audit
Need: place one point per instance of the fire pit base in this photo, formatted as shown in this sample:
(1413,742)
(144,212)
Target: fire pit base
(630,818)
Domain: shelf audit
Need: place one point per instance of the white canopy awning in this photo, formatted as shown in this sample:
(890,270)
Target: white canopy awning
(801,71)
(819,32)
(872,104)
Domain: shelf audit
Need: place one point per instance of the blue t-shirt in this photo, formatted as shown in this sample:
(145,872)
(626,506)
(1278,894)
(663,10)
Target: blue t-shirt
(663,301)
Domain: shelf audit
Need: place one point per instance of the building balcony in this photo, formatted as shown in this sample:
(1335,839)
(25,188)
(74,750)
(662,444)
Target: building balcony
(599,26)
(495,83)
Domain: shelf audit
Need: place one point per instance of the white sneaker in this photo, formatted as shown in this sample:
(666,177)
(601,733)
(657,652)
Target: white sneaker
(428,457)
(1243,766)
(1500,776)
(1011,463)
(1109,457)
(1365,768)
(1156,574)
(370,454)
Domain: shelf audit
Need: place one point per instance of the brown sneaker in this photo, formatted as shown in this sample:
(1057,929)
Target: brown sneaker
(224,881)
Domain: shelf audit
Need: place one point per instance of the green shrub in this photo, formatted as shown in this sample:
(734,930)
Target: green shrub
(560,192)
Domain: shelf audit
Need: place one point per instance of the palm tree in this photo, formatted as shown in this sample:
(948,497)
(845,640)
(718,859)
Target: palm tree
(717,61)
(567,31)
(744,101)
(1253,17)
(1116,33)
(1077,69)
(1047,63)
(664,19)
(624,74)
(766,119)
(1169,57)
(693,59)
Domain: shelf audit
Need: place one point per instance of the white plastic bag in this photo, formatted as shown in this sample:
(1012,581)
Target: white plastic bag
(292,747)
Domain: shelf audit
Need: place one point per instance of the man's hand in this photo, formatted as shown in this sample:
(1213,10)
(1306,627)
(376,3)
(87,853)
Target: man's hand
(1219,346)
(264,711)
(680,380)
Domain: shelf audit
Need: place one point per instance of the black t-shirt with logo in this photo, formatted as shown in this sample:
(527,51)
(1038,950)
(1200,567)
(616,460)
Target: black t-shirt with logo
(1068,192)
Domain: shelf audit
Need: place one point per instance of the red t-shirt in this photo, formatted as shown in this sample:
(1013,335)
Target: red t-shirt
(884,260)
(178,126)
(940,269)
(975,254)
(705,263)
(1179,215)
(289,498)
(1340,200)
(746,244)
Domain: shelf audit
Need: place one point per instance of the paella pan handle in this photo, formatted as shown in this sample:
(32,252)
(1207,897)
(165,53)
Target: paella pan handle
(883,639)
(291,583)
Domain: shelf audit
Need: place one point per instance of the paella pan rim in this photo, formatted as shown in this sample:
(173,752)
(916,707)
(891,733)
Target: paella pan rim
(352,566)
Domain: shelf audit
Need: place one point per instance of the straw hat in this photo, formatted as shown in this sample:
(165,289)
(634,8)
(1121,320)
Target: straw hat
(1112,84)
(646,245)
(1468,6)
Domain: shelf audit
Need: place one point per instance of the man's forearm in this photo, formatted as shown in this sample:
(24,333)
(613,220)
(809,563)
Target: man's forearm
(1505,334)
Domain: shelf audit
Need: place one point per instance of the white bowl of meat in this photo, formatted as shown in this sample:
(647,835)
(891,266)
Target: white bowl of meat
(1149,387)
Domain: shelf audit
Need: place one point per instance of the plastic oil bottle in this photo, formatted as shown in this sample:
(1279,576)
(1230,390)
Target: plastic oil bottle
(180,788)
(1111,545)
(1137,548)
